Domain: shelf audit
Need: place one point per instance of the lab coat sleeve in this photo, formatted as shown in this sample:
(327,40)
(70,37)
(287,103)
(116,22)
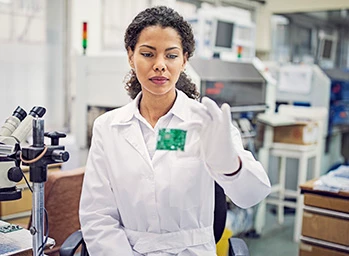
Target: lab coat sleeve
(251,184)
(99,215)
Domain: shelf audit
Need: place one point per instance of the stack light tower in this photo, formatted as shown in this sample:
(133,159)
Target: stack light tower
(84,37)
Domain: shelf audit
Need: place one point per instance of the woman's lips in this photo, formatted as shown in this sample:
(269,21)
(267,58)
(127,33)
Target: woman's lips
(159,80)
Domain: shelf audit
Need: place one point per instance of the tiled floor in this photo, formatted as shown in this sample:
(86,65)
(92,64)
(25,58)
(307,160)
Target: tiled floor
(276,239)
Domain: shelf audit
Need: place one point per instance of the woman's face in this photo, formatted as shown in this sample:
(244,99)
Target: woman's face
(158,60)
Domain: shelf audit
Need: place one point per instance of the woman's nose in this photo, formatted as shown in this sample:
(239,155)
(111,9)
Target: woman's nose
(160,65)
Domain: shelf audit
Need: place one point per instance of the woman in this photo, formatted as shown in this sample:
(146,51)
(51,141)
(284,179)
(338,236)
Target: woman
(139,199)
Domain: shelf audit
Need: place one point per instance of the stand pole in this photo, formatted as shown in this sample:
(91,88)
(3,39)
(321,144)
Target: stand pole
(38,218)
(38,191)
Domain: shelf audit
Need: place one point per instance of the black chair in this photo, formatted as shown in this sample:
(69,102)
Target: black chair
(237,246)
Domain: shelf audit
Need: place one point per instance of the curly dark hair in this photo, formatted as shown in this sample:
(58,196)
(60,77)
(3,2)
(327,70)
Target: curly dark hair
(165,17)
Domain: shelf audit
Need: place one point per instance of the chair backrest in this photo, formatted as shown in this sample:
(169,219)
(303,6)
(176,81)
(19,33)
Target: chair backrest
(220,212)
(62,198)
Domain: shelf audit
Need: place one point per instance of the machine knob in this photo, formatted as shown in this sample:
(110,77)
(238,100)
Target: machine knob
(55,137)
(60,156)
(15,174)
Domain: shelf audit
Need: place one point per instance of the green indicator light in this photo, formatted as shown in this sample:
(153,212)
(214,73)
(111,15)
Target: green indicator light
(84,43)
(171,139)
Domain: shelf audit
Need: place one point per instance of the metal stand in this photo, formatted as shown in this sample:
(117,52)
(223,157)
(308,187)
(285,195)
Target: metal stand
(37,228)
(38,156)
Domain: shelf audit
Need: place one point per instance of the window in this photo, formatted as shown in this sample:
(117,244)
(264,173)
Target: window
(23,21)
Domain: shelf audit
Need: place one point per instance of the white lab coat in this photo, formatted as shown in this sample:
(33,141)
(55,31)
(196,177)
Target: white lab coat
(134,205)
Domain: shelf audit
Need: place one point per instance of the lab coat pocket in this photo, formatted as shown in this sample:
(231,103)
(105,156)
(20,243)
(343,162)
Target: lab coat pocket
(185,184)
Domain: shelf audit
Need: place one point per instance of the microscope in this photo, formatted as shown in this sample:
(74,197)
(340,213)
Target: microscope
(37,156)
(14,132)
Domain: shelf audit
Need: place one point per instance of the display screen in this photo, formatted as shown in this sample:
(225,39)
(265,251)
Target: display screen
(327,50)
(224,34)
(234,93)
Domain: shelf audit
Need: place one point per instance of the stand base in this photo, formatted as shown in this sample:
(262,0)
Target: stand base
(9,194)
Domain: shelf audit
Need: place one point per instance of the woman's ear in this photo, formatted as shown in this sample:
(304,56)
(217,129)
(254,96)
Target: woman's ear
(130,57)
(185,60)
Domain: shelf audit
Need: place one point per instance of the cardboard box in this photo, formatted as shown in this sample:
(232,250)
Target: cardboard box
(289,129)
(307,249)
(302,133)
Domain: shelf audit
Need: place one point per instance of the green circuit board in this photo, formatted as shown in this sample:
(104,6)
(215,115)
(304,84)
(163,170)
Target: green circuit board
(10,228)
(171,139)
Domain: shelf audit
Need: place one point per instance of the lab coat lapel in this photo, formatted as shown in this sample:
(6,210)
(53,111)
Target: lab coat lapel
(133,135)
(129,128)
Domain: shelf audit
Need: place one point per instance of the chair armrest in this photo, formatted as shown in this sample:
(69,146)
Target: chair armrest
(71,244)
(238,247)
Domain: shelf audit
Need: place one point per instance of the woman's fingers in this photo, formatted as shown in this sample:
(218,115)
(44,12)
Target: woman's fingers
(226,112)
(213,109)
(202,113)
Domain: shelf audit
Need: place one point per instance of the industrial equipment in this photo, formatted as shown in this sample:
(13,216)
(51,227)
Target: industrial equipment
(227,32)
(37,156)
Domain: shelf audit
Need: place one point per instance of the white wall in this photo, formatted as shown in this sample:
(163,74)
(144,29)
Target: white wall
(23,56)
(22,80)
(31,70)
(55,72)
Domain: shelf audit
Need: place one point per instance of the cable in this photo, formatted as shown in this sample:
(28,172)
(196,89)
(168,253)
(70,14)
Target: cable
(26,181)
(42,246)
(35,159)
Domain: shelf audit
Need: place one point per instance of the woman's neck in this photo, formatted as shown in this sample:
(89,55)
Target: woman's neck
(152,108)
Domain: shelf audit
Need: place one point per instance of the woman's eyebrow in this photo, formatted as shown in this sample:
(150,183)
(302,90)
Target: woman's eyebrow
(172,48)
(148,46)
(153,48)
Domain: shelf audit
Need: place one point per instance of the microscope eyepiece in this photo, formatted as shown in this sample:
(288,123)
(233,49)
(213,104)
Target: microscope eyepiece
(37,111)
(13,122)
(19,113)
(22,131)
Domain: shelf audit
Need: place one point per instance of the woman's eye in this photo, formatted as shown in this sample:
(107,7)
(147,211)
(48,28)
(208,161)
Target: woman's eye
(172,56)
(147,54)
